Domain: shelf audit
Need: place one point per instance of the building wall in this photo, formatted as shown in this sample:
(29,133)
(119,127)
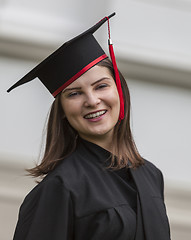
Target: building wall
(152,45)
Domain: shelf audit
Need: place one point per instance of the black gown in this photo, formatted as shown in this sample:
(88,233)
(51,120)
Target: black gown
(83,200)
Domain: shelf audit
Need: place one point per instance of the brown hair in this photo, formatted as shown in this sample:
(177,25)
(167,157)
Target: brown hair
(61,137)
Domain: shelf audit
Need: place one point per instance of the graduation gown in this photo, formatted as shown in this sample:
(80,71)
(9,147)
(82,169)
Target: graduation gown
(81,199)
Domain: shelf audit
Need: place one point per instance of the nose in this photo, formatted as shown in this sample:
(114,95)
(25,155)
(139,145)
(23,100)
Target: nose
(91,100)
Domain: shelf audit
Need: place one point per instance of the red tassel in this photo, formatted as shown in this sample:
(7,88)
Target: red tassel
(118,82)
(117,78)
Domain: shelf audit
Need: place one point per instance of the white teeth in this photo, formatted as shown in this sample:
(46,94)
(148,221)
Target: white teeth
(95,115)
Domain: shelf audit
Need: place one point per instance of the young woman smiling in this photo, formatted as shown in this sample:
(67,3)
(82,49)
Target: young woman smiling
(93,113)
(95,183)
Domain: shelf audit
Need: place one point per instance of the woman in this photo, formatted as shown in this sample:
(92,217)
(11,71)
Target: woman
(95,184)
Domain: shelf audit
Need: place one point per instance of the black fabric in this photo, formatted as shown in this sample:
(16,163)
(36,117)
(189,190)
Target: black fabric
(125,174)
(83,200)
(150,187)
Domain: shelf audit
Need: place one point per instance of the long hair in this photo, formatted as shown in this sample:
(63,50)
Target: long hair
(61,137)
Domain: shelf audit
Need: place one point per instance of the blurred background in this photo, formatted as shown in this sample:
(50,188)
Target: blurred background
(152,41)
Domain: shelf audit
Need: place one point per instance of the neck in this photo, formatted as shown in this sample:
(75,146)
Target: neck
(102,141)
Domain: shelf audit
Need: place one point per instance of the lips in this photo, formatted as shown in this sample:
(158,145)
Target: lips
(95,114)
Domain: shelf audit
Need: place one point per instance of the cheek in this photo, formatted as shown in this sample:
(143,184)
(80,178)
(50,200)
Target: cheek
(71,110)
(115,98)
(116,104)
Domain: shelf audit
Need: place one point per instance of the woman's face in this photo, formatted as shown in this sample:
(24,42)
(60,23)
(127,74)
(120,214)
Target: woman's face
(91,104)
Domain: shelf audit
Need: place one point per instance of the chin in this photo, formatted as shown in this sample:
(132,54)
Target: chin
(102,132)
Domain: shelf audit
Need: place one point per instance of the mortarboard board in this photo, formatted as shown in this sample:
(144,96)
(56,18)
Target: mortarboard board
(70,61)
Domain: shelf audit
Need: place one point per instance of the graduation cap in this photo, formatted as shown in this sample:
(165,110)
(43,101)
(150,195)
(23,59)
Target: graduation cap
(70,61)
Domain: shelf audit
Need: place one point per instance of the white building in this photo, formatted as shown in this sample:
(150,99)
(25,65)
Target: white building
(152,41)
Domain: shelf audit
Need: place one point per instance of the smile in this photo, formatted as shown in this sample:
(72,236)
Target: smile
(95,115)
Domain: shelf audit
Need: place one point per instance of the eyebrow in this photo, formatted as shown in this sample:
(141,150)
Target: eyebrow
(70,89)
(100,80)
(78,88)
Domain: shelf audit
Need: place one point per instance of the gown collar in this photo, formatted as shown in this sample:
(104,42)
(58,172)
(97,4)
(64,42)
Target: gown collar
(99,153)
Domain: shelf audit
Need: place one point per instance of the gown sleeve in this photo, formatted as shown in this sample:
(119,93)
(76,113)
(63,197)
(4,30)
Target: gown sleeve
(46,213)
(161,184)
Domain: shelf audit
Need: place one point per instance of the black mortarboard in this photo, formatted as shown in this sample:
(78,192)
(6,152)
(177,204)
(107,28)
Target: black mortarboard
(70,61)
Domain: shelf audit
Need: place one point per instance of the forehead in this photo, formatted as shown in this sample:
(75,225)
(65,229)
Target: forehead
(92,75)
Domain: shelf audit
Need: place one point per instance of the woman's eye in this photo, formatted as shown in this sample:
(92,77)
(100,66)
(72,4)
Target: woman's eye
(103,85)
(73,94)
